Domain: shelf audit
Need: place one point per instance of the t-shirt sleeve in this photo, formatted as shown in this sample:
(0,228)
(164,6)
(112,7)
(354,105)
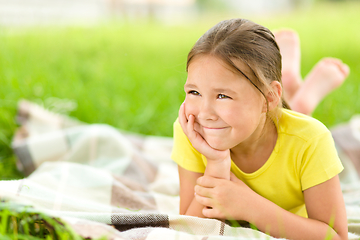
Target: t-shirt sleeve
(183,153)
(320,161)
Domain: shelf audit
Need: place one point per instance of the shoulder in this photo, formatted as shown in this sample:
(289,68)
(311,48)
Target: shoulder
(301,126)
(176,125)
(310,143)
(181,141)
(178,133)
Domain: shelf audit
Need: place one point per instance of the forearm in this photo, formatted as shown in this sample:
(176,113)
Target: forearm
(272,219)
(195,209)
(219,168)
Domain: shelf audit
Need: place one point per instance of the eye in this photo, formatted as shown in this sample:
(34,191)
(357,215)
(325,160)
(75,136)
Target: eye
(222,96)
(193,92)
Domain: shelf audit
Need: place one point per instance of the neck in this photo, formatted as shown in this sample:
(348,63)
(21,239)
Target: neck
(260,144)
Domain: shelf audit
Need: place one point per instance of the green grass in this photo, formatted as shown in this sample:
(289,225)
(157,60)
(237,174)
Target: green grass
(131,75)
(18,222)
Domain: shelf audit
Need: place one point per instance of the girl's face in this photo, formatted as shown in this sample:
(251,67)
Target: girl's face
(228,109)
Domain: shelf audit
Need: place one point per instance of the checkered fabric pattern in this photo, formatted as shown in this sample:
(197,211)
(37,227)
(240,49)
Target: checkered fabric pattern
(107,182)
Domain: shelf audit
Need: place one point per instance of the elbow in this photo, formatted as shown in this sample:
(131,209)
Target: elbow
(343,235)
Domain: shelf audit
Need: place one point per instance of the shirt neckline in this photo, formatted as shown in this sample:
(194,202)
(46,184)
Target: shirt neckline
(240,174)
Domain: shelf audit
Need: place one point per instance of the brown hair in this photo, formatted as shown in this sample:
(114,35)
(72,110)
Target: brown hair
(253,44)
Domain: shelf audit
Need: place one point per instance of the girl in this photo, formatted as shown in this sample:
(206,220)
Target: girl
(242,155)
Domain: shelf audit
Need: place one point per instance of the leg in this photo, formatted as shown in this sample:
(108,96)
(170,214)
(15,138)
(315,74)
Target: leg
(327,75)
(289,44)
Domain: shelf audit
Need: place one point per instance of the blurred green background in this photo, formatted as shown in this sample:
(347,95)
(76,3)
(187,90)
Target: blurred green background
(130,74)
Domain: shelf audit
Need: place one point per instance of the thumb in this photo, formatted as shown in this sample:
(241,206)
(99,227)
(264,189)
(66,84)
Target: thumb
(234,178)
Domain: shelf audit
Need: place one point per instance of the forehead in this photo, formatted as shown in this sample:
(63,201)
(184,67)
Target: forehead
(213,67)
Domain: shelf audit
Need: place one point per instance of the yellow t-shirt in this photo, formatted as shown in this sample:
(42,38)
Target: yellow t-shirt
(304,156)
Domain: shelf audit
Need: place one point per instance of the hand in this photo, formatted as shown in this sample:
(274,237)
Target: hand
(225,199)
(198,142)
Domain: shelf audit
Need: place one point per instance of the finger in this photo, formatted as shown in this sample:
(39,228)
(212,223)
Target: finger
(195,138)
(207,181)
(203,200)
(202,191)
(233,177)
(210,212)
(184,121)
(182,116)
(187,125)
(192,134)
(207,212)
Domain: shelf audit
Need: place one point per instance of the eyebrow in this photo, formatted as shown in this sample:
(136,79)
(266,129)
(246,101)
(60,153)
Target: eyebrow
(221,90)
(189,85)
(225,90)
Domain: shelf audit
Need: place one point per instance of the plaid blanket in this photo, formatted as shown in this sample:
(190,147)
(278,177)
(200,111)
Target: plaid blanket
(107,182)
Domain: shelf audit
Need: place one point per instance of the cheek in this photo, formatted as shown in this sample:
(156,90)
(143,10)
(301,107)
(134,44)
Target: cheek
(231,111)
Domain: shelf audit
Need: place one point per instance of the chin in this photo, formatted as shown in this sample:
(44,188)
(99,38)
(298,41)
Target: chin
(218,145)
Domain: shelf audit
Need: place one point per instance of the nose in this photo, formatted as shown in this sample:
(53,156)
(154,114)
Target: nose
(207,111)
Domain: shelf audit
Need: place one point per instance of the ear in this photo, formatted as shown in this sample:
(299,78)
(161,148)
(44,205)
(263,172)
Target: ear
(274,95)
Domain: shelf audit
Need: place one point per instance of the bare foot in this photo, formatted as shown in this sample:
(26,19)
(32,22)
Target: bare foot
(289,44)
(327,75)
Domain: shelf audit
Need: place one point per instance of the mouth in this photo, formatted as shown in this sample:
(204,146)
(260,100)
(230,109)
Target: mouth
(201,128)
(214,128)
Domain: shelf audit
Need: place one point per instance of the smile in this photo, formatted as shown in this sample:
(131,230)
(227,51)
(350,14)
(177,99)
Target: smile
(209,129)
(212,128)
